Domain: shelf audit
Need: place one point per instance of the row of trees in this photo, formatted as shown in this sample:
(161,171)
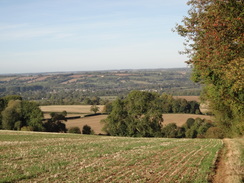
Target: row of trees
(214,43)
(167,103)
(193,128)
(72,98)
(18,114)
(140,114)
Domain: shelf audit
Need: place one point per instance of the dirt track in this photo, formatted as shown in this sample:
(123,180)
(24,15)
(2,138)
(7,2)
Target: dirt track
(230,167)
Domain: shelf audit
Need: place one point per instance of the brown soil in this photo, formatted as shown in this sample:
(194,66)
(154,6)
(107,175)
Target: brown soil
(229,168)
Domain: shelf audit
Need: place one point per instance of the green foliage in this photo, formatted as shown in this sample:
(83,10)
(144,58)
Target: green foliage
(193,128)
(11,97)
(139,114)
(171,105)
(94,109)
(32,116)
(11,115)
(16,113)
(74,130)
(170,131)
(55,124)
(87,130)
(108,108)
(189,123)
(214,42)
(196,127)
(214,132)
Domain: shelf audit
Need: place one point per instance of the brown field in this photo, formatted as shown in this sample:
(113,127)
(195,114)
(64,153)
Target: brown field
(7,79)
(94,121)
(70,81)
(27,78)
(77,76)
(81,109)
(180,119)
(125,74)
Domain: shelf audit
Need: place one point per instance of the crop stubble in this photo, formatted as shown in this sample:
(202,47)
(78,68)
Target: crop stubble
(41,157)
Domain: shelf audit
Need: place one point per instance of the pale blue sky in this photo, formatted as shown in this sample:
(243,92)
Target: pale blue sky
(81,35)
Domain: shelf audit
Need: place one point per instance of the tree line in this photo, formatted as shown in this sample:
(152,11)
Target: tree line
(213,32)
(19,114)
(140,114)
(167,103)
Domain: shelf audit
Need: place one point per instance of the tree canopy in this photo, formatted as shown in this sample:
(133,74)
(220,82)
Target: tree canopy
(214,31)
(139,115)
(17,113)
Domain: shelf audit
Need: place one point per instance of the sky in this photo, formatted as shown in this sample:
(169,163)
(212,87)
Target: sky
(88,35)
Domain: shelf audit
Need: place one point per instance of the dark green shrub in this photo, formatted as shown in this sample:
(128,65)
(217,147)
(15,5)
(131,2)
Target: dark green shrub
(87,130)
(74,130)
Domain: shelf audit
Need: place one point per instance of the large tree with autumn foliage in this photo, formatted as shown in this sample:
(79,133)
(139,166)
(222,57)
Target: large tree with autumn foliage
(214,32)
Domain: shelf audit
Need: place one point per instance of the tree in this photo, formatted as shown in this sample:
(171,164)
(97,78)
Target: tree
(55,124)
(94,109)
(2,106)
(20,113)
(32,116)
(170,130)
(214,43)
(11,114)
(214,132)
(138,115)
(107,108)
(87,130)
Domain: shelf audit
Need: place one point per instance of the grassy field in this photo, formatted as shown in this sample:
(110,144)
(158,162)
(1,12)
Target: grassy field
(47,157)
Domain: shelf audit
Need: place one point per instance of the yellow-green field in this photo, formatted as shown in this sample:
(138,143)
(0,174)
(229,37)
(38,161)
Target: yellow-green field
(51,157)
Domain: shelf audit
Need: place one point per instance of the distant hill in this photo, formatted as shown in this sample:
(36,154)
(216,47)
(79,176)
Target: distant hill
(70,87)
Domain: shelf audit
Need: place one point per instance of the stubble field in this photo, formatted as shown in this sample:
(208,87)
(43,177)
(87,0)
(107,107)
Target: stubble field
(47,157)
(75,109)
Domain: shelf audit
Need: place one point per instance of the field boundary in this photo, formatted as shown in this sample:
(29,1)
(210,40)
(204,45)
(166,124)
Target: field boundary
(228,166)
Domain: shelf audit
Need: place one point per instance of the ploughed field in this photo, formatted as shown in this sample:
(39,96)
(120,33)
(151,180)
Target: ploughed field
(52,157)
